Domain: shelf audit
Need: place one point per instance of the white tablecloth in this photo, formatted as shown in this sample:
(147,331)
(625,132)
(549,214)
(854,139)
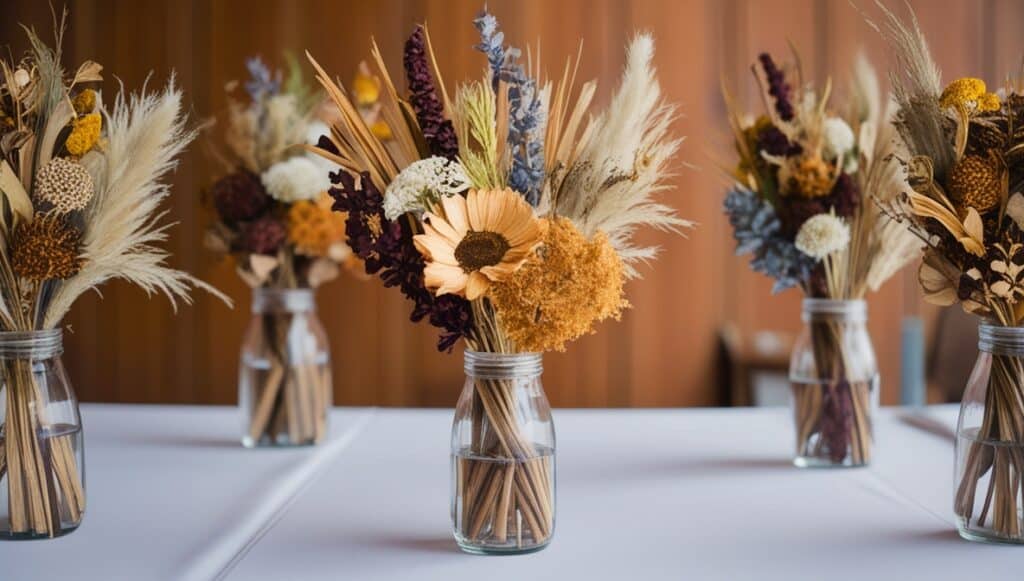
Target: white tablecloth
(642,494)
(171,495)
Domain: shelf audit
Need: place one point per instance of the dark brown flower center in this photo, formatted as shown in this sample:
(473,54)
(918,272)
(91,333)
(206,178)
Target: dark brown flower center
(480,249)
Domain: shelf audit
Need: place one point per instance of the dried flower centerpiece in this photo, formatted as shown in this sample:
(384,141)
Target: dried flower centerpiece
(966,168)
(505,212)
(82,189)
(274,219)
(801,206)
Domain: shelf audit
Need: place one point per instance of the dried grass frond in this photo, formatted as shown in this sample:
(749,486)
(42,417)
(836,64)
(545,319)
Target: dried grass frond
(473,115)
(917,85)
(146,133)
(611,186)
(358,148)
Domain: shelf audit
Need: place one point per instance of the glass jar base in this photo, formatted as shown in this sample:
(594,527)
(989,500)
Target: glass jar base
(8,536)
(815,462)
(474,549)
(984,536)
(285,442)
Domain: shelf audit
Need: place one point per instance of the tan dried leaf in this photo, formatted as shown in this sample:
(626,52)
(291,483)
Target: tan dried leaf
(939,288)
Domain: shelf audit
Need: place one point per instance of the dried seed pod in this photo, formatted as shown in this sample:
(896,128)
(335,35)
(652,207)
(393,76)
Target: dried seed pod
(65,184)
(976,182)
(46,248)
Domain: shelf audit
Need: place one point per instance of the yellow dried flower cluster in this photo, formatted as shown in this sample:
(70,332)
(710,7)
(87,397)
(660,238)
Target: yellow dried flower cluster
(560,295)
(46,248)
(970,94)
(85,134)
(313,227)
(84,102)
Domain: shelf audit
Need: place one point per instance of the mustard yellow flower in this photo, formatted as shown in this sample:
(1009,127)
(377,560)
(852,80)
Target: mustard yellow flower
(85,133)
(365,87)
(970,94)
(84,102)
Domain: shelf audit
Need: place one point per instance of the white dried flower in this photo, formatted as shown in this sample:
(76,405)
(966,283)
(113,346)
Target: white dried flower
(839,137)
(423,181)
(313,132)
(295,179)
(822,235)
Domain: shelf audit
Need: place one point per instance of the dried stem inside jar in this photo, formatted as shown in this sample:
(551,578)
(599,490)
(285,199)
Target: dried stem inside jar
(832,414)
(291,395)
(45,494)
(504,482)
(994,465)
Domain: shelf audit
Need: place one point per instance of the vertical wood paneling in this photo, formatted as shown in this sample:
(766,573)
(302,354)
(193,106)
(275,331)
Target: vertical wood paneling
(127,347)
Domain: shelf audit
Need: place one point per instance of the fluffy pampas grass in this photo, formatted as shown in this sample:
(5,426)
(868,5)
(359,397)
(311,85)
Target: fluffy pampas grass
(123,226)
(623,162)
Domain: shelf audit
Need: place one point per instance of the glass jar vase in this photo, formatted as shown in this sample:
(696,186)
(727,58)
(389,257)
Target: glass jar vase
(503,456)
(284,384)
(42,461)
(834,385)
(988,475)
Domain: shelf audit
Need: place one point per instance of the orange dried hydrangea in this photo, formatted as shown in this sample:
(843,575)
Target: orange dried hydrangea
(313,228)
(560,295)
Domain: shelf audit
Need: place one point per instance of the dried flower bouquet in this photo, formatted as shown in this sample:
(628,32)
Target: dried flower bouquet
(82,187)
(966,166)
(505,213)
(801,206)
(274,218)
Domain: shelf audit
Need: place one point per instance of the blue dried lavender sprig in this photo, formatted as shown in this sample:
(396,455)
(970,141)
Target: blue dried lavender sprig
(262,83)
(757,231)
(526,113)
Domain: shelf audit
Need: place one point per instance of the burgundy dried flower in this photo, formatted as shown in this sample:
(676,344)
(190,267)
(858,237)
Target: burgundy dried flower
(438,131)
(777,87)
(845,196)
(239,197)
(773,141)
(387,250)
(264,236)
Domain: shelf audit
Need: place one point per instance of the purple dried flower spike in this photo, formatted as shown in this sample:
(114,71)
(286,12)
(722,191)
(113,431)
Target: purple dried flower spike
(438,131)
(777,87)
(388,251)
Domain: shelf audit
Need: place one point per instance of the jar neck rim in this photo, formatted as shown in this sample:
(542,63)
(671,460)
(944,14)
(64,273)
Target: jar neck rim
(1000,340)
(486,365)
(282,300)
(35,344)
(850,311)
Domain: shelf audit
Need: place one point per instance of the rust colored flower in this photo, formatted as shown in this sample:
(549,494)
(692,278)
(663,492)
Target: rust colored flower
(313,228)
(46,248)
(571,284)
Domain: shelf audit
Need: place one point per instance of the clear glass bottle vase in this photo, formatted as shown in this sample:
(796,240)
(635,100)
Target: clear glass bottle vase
(42,460)
(503,456)
(988,491)
(284,380)
(834,385)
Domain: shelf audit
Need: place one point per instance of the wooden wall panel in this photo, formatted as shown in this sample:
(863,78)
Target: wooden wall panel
(127,347)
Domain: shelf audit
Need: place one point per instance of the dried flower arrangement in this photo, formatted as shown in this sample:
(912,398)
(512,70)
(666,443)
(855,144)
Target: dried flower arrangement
(801,206)
(274,218)
(506,215)
(82,188)
(965,165)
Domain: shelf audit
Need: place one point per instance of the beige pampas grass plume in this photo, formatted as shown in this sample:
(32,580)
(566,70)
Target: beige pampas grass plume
(123,225)
(623,163)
